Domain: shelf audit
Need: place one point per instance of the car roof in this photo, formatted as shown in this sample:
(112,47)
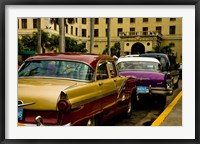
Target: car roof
(90,59)
(147,59)
(155,55)
(133,55)
(165,56)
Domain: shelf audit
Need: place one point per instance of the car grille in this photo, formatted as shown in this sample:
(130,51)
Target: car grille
(147,82)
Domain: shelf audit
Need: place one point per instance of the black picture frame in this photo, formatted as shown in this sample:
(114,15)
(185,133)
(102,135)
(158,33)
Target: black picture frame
(4,3)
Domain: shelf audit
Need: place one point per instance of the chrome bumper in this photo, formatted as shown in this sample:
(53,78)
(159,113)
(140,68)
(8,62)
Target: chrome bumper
(39,122)
(161,91)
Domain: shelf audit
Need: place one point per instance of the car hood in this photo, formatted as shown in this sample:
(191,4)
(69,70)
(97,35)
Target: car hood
(152,75)
(43,93)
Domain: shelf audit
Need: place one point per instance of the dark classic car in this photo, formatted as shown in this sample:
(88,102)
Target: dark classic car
(151,80)
(180,70)
(72,89)
(168,64)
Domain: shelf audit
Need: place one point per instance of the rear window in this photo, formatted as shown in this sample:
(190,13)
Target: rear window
(56,68)
(138,65)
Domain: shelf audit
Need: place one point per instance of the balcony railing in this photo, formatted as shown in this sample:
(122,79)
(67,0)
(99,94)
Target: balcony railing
(139,33)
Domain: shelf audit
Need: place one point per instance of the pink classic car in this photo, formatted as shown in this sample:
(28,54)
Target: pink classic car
(152,82)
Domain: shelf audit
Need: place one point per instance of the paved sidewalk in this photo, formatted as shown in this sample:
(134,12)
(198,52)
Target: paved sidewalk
(172,115)
(175,116)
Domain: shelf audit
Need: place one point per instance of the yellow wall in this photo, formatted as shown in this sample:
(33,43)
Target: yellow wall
(101,41)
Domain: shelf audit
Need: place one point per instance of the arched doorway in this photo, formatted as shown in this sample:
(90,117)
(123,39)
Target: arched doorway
(137,48)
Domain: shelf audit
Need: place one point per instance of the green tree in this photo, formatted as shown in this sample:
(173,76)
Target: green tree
(115,50)
(26,43)
(45,40)
(72,46)
(29,42)
(167,50)
(163,49)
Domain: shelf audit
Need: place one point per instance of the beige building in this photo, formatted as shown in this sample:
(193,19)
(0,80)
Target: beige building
(136,35)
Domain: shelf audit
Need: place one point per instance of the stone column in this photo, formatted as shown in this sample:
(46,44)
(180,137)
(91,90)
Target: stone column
(122,48)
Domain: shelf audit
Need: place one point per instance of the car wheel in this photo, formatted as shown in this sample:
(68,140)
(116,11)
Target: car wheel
(176,85)
(172,87)
(134,101)
(92,121)
(129,109)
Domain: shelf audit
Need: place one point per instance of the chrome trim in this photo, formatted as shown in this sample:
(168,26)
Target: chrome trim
(25,104)
(68,124)
(143,78)
(162,91)
(122,87)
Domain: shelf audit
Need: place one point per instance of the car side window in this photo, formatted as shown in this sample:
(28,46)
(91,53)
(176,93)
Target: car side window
(102,72)
(112,69)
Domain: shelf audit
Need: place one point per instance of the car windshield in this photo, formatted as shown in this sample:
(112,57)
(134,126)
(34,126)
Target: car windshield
(56,68)
(138,65)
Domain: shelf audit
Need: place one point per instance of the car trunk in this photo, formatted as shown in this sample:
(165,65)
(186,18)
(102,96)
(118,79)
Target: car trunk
(146,78)
(40,97)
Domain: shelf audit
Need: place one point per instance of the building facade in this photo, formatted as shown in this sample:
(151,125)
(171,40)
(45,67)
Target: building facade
(135,35)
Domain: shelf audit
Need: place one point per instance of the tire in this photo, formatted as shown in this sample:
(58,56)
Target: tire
(129,109)
(134,101)
(172,87)
(176,85)
(162,101)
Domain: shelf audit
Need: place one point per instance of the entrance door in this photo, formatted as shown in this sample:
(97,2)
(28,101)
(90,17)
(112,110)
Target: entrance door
(137,48)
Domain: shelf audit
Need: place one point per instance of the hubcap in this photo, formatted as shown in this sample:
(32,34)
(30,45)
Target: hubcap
(91,122)
(129,107)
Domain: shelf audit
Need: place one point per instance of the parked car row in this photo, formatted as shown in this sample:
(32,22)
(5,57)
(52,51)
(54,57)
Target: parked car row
(70,89)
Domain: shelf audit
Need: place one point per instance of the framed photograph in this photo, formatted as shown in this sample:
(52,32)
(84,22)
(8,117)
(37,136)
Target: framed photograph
(186,10)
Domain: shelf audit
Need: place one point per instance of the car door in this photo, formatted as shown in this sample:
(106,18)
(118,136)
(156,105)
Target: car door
(108,89)
(121,101)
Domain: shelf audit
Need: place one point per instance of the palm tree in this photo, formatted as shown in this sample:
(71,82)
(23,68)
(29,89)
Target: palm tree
(108,37)
(62,22)
(38,35)
(61,34)
(91,34)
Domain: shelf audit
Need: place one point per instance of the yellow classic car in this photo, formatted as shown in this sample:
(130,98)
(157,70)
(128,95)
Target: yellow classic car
(69,89)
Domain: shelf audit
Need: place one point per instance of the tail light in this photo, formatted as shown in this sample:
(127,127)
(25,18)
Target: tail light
(63,105)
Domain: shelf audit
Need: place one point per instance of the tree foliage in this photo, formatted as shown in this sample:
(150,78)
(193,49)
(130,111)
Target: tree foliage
(50,42)
(163,49)
(167,50)
(115,50)
(71,45)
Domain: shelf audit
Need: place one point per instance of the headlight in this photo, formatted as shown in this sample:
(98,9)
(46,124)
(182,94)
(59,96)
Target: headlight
(169,83)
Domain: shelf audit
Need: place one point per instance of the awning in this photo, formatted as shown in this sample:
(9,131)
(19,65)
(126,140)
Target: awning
(28,52)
